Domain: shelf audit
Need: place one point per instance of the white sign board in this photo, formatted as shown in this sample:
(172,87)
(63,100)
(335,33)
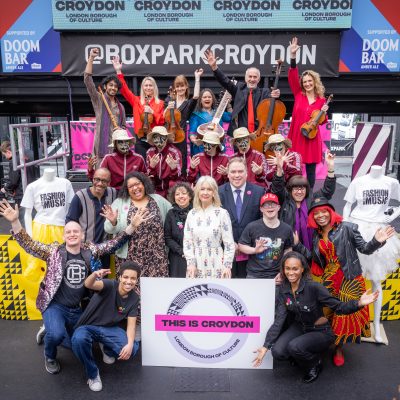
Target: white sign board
(205,323)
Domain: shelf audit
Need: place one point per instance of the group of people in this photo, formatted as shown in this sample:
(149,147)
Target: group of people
(239,217)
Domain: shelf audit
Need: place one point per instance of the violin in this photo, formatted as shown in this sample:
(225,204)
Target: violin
(147,120)
(270,114)
(173,119)
(310,129)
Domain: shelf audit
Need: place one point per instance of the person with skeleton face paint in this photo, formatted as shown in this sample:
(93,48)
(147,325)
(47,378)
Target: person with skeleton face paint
(291,160)
(255,161)
(164,160)
(122,160)
(211,162)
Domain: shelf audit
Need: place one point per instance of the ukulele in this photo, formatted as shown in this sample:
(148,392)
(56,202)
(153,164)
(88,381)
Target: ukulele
(310,129)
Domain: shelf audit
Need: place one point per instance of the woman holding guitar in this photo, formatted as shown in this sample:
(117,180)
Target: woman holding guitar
(179,99)
(148,109)
(308,94)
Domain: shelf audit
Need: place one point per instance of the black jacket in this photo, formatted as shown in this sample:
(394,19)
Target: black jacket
(240,94)
(305,307)
(13,185)
(173,234)
(347,240)
(287,213)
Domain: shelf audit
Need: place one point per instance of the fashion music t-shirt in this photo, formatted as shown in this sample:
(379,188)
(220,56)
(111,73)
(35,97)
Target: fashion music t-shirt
(50,200)
(372,196)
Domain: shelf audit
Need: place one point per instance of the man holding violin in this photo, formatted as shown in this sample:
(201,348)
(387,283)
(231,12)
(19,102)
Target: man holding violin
(246,95)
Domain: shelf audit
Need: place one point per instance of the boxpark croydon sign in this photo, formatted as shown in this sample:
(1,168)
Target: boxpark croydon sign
(205,323)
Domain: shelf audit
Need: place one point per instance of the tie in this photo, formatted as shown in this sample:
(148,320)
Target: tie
(250,112)
(238,203)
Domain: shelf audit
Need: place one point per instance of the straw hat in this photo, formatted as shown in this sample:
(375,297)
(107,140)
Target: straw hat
(121,134)
(243,132)
(160,130)
(211,137)
(278,138)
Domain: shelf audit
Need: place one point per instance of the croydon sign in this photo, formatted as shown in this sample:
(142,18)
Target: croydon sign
(205,323)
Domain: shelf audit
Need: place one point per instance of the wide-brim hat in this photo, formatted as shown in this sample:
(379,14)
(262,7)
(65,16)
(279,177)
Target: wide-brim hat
(211,137)
(242,132)
(318,202)
(278,138)
(121,134)
(160,130)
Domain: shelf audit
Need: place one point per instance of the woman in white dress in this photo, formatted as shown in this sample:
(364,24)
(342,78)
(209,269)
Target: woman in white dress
(207,227)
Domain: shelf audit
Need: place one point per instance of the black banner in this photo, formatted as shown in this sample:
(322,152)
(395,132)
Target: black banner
(342,148)
(174,54)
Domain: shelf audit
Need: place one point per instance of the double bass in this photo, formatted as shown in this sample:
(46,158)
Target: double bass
(310,129)
(173,119)
(270,114)
(147,120)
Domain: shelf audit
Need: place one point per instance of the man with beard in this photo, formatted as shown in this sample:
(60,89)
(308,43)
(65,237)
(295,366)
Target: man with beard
(122,161)
(164,160)
(211,162)
(255,161)
(104,125)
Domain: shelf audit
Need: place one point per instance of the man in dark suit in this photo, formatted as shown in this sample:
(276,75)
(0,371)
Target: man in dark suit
(242,200)
(246,95)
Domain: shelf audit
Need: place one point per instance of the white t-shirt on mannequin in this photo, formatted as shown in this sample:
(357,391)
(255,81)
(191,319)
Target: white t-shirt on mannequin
(50,200)
(372,196)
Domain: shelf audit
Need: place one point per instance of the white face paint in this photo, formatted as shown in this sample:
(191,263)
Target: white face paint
(278,148)
(243,144)
(159,141)
(209,148)
(123,146)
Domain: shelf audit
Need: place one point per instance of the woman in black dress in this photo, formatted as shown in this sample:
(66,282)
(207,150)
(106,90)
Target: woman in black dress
(181,198)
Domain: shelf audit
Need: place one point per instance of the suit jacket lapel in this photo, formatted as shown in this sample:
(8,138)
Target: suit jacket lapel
(246,200)
(231,201)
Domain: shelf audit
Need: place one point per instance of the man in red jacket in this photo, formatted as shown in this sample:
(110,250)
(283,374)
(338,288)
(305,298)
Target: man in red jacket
(211,162)
(121,161)
(164,160)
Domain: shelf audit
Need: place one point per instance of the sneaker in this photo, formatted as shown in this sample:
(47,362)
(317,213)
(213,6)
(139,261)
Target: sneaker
(106,358)
(40,335)
(95,384)
(52,366)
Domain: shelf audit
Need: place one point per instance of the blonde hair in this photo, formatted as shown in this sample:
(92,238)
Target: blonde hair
(181,79)
(319,88)
(209,181)
(155,88)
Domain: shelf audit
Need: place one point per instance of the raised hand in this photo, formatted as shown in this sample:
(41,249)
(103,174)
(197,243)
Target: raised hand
(261,352)
(198,73)
(9,213)
(368,298)
(211,59)
(194,162)
(257,169)
(101,273)
(154,160)
(330,161)
(260,246)
(383,234)
(92,161)
(294,47)
(141,215)
(110,214)
(173,164)
(94,52)
(117,64)
(222,170)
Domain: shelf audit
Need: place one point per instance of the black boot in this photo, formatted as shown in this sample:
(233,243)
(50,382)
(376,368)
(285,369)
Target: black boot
(313,373)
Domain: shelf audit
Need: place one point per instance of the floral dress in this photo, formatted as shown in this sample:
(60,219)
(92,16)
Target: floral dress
(205,231)
(347,328)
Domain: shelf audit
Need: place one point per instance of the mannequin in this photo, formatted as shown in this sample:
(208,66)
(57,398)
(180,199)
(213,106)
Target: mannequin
(372,193)
(50,196)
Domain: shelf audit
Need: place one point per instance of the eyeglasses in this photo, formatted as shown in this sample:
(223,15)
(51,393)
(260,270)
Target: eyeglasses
(134,185)
(103,181)
(298,188)
(269,204)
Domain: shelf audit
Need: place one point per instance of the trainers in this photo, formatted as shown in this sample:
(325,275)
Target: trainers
(106,358)
(95,384)
(52,366)
(40,335)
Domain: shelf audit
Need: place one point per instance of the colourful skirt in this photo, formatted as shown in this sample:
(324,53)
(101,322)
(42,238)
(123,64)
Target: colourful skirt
(347,328)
